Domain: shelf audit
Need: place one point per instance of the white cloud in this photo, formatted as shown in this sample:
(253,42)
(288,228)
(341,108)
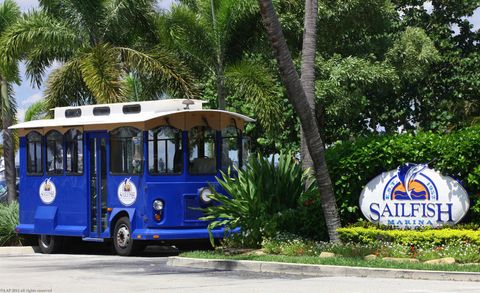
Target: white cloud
(31,100)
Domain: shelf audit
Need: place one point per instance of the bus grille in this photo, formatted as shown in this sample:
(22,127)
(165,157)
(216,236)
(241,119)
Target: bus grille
(191,209)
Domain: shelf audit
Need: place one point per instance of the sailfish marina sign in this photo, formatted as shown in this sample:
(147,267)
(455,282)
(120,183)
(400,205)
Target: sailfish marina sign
(414,196)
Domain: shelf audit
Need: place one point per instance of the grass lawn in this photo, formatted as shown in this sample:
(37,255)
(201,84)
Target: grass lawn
(338,261)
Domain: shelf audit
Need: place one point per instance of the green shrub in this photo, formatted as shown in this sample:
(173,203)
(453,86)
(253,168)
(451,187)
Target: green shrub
(8,222)
(259,198)
(354,164)
(409,237)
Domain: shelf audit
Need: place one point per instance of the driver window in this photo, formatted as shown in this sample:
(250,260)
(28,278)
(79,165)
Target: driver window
(231,148)
(201,147)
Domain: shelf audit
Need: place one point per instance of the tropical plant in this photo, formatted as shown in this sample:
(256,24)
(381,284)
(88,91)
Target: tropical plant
(214,37)
(98,44)
(298,99)
(256,197)
(9,14)
(8,222)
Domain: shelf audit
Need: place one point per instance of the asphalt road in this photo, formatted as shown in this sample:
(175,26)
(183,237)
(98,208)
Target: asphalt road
(82,271)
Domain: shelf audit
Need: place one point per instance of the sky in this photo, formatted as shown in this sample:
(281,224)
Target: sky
(27,95)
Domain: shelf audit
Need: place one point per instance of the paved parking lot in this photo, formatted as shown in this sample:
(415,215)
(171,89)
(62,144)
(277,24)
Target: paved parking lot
(102,272)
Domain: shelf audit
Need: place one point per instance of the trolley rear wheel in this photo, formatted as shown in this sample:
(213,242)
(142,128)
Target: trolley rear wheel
(50,244)
(123,242)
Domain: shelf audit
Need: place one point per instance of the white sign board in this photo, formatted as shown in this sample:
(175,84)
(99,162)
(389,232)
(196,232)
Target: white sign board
(414,196)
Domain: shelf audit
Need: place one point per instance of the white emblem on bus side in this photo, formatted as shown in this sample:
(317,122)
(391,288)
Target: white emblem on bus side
(47,191)
(127,192)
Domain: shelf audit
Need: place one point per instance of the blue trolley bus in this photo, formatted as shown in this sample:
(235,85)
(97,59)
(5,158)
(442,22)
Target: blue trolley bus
(129,172)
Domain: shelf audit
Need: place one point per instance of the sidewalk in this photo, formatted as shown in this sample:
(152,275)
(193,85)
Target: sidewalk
(319,270)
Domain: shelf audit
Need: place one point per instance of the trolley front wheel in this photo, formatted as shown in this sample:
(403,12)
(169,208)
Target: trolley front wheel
(50,244)
(123,242)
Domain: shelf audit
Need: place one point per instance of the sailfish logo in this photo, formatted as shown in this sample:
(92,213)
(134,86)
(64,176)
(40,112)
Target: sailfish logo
(409,188)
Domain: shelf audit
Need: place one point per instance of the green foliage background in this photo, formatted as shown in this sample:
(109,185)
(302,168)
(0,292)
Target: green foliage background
(353,164)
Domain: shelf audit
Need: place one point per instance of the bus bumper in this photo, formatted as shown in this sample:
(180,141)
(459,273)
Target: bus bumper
(180,234)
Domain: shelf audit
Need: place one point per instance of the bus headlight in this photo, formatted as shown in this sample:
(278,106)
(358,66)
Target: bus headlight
(158,205)
(205,195)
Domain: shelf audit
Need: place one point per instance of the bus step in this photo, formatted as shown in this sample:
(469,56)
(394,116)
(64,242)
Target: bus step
(91,239)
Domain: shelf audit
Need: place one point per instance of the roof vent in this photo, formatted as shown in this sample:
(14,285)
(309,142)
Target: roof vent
(101,111)
(132,109)
(73,113)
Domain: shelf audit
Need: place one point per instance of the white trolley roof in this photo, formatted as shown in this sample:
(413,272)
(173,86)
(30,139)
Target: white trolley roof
(143,115)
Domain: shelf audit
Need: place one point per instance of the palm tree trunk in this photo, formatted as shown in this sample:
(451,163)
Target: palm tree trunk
(8,143)
(221,91)
(308,70)
(298,99)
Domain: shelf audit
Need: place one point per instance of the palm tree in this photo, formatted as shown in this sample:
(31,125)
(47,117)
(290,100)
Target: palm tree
(212,35)
(308,70)
(9,14)
(298,99)
(98,44)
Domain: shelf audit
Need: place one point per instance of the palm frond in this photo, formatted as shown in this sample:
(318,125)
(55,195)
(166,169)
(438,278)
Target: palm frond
(65,86)
(162,67)
(186,32)
(9,13)
(101,73)
(36,111)
(132,88)
(255,83)
(128,20)
(40,36)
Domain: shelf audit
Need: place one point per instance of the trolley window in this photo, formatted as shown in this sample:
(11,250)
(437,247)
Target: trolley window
(231,148)
(165,153)
(54,141)
(126,151)
(74,152)
(34,154)
(201,148)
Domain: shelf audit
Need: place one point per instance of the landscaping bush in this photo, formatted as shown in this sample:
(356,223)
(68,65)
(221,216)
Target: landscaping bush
(263,199)
(354,164)
(424,237)
(8,222)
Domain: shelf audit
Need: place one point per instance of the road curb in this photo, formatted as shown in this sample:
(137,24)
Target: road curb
(318,270)
(18,250)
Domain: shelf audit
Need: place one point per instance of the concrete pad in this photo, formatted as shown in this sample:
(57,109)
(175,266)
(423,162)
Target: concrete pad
(18,250)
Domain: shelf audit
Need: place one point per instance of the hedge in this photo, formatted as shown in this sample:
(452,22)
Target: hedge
(409,237)
(354,164)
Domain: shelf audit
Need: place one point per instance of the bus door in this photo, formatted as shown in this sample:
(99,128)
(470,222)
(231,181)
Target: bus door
(97,176)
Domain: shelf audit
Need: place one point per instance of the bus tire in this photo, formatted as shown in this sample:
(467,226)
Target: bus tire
(49,244)
(123,242)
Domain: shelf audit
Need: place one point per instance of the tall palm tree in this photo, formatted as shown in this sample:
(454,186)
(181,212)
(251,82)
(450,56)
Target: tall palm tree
(298,99)
(212,35)
(308,69)
(9,14)
(98,44)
